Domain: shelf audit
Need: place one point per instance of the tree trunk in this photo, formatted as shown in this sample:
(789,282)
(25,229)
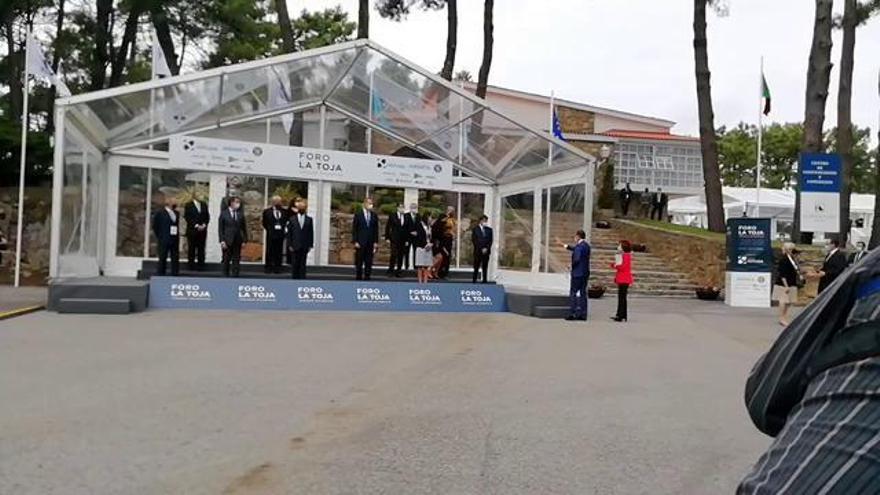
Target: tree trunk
(488,42)
(451,39)
(363,19)
(56,60)
(844,114)
(163,32)
(708,144)
(818,79)
(98,70)
(875,232)
(15,70)
(288,42)
(128,38)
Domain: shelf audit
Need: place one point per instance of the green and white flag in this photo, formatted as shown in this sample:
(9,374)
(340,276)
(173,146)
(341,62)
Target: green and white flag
(765,94)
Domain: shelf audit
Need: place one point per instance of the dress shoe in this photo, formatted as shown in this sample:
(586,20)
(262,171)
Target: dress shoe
(618,319)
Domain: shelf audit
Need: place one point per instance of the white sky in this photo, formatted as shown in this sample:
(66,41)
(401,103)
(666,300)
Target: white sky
(637,55)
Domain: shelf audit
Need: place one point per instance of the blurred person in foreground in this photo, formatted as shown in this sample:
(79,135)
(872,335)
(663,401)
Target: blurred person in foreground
(817,390)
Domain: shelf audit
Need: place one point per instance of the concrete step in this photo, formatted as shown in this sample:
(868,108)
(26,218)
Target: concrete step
(550,312)
(94,306)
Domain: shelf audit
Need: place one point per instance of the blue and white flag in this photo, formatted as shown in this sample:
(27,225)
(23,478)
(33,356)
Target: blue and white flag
(557,127)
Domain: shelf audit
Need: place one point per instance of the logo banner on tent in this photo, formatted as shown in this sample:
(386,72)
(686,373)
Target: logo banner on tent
(241,157)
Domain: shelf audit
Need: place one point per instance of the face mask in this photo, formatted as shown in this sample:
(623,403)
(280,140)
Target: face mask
(368,207)
(173,205)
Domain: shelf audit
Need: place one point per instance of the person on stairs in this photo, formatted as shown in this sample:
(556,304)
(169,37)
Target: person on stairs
(623,278)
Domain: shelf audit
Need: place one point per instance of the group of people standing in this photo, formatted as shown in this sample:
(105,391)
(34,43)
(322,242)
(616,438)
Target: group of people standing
(790,275)
(288,226)
(427,240)
(652,205)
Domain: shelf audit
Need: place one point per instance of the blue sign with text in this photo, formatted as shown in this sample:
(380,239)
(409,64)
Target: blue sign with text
(228,293)
(820,172)
(748,245)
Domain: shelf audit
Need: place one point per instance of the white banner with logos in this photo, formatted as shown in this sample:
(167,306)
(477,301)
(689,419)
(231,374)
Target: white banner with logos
(241,157)
(748,289)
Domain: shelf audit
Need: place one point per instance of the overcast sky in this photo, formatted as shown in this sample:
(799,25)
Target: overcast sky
(637,55)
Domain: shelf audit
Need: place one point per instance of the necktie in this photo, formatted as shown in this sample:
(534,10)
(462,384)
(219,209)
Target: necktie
(301,220)
(234,217)
(198,207)
(277,214)
(367,217)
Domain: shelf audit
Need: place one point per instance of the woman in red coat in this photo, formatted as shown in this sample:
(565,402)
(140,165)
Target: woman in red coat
(623,278)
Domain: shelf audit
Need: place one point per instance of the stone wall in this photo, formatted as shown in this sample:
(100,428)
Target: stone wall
(576,121)
(35,238)
(701,259)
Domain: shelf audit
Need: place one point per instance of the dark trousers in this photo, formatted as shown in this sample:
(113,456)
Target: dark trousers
(577,297)
(398,253)
(658,209)
(166,249)
(363,262)
(622,290)
(625,207)
(232,259)
(443,271)
(481,262)
(274,254)
(298,263)
(195,249)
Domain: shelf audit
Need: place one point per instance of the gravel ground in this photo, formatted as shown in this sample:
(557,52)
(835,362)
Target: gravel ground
(186,402)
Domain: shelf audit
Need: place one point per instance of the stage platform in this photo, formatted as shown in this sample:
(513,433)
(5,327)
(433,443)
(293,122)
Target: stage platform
(537,304)
(328,273)
(98,295)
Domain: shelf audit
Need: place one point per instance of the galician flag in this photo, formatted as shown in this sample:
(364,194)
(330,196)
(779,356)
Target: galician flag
(765,94)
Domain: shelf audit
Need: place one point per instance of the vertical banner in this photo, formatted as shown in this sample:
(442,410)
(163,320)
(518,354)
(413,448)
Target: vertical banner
(749,262)
(820,184)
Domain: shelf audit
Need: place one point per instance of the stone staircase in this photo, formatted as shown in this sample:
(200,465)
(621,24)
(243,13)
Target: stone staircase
(653,276)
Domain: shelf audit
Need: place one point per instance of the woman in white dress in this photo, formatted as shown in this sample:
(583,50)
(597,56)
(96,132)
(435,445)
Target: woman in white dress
(424,256)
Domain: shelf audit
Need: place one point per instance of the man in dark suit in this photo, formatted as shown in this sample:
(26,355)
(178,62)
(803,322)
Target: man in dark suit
(658,203)
(482,239)
(300,239)
(365,237)
(626,195)
(835,263)
(166,226)
(415,223)
(580,275)
(197,218)
(233,233)
(274,221)
(397,231)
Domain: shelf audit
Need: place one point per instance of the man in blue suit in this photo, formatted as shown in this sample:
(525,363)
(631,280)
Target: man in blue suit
(580,275)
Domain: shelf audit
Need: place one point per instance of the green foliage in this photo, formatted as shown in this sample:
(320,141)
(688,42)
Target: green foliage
(606,195)
(317,29)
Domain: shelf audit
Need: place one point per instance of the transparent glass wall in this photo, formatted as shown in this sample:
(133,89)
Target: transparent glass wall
(517,231)
(132,211)
(80,208)
(345,201)
(252,191)
(181,185)
(562,215)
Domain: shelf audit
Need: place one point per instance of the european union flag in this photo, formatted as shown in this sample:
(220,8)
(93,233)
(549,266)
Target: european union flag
(557,127)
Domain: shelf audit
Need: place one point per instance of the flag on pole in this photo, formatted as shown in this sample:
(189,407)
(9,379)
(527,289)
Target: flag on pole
(765,94)
(160,63)
(557,127)
(279,96)
(37,65)
(378,109)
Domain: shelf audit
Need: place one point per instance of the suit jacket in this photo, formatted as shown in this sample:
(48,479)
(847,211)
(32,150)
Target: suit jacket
(275,227)
(196,217)
(421,238)
(833,266)
(232,231)
(415,224)
(397,229)
(482,238)
(300,237)
(786,271)
(363,232)
(162,224)
(580,259)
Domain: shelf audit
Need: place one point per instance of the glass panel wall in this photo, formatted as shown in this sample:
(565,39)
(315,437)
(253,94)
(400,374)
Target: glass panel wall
(562,215)
(517,231)
(252,191)
(345,201)
(132,206)
(181,185)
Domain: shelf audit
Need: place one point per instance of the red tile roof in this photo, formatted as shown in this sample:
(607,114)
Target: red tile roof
(648,136)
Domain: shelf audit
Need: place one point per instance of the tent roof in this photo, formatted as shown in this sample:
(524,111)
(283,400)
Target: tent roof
(359,79)
(771,198)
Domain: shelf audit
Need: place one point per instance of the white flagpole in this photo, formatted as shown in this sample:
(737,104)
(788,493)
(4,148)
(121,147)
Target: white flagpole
(550,147)
(24,123)
(760,137)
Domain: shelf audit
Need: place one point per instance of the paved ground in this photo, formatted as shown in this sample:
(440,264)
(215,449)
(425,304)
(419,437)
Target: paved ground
(12,298)
(185,402)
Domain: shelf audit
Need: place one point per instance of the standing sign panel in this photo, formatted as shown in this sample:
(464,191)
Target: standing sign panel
(820,192)
(749,262)
(241,157)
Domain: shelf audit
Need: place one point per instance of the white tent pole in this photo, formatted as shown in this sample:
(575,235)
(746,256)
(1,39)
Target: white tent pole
(24,124)
(369,117)
(760,137)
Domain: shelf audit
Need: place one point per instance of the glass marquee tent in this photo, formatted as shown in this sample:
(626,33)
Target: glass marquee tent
(112,165)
